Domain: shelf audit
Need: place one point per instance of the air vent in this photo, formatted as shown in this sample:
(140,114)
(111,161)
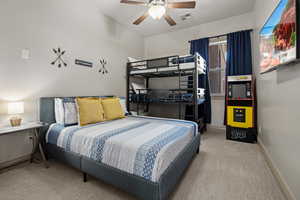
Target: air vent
(186,16)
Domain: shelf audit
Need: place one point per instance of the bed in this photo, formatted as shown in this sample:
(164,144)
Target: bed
(142,155)
(168,64)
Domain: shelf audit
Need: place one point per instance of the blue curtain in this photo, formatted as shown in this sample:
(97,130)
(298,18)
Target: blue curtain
(239,57)
(202,47)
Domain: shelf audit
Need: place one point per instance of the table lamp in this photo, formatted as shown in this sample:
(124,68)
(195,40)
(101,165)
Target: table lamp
(15,108)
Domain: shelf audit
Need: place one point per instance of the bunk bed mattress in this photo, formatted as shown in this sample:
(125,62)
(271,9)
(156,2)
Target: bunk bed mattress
(184,66)
(141,146)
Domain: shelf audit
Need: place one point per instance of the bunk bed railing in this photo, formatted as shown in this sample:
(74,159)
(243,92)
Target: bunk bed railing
(186,68)
(168,66)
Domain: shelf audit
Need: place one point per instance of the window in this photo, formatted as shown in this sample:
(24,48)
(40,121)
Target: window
(217,64)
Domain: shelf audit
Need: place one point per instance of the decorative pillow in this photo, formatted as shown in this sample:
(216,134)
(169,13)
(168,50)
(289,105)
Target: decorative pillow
(65,111)
(112,108)
(90,111)
(123,104)
(139,88)
(59,110)
(130,59)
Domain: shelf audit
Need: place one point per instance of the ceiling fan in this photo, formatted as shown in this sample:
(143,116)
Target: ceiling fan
(157,9)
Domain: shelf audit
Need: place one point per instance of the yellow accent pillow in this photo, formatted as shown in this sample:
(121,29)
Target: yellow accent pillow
(112,108)
(90,111)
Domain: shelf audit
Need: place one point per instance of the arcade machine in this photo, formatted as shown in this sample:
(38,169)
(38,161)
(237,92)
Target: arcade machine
(241,109)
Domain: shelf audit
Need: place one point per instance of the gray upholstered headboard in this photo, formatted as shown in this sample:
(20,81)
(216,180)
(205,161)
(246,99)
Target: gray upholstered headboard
(47,112)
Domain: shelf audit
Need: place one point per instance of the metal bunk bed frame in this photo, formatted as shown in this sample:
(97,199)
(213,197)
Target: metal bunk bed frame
(159,69)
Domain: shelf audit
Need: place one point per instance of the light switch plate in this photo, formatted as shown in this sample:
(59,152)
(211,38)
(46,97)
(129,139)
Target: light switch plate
(25,54)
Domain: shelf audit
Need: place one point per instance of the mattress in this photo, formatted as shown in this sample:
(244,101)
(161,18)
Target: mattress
(142,146)
(176,98)
(183,66)
(184,59)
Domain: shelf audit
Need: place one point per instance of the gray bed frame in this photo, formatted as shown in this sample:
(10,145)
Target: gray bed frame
(135,185)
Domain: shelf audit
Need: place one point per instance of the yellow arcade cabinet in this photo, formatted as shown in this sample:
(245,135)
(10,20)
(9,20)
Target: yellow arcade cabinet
(241,109)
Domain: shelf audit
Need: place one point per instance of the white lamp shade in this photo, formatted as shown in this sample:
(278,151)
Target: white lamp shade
(157,11)
(15,108)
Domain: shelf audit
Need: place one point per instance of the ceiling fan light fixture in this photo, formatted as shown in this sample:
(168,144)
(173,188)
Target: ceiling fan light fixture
(157,11)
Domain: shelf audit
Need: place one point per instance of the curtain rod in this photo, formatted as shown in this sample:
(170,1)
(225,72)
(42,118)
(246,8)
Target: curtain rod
(223,35)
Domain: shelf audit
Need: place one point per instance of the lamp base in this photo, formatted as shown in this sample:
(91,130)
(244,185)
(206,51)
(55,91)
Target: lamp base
(15,121)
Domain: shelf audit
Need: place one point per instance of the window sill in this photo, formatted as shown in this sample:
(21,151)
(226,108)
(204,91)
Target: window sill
(218,95)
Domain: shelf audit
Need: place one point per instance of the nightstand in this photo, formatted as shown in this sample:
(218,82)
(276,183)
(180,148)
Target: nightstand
(37,145)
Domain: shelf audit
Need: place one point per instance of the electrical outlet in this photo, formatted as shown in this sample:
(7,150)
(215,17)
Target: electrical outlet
(259,130)
(25,54)
(28,139)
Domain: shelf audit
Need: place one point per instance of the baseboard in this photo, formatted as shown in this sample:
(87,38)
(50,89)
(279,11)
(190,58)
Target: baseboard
(14,162)
(276,172)
(216,126)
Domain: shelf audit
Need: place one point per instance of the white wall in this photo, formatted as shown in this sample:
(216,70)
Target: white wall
(176,43)
(278,109)
(79,28)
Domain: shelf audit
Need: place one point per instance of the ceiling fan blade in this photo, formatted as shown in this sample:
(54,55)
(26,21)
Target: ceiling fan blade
(133,2)
(141,19)
(187,4)
(169,19)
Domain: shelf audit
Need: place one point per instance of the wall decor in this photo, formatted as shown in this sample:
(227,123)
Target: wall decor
(59,53)
(103,68)
(83,63)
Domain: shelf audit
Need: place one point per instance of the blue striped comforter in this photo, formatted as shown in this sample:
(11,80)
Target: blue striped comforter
(141,146)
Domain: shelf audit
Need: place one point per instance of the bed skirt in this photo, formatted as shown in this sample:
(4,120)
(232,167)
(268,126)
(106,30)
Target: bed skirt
(135,185)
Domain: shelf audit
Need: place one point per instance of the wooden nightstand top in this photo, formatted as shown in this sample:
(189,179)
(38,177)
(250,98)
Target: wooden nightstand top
(23,127)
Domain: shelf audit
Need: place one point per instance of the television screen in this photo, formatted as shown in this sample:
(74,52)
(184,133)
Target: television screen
(278,37)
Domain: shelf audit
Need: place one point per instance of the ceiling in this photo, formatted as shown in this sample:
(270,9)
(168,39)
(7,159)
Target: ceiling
(206,11)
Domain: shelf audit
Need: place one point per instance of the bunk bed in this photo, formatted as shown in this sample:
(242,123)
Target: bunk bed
(186,68)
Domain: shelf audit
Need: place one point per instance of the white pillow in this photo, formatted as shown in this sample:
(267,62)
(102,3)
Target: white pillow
(71,114)
(129,59)
(59,110)
(123,104)
(66,111)
(138,87)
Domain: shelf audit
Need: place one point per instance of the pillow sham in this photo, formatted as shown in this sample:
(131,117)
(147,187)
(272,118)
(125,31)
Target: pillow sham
(112,109)
(90,111)
(65,111)
(123,105)
(130,59)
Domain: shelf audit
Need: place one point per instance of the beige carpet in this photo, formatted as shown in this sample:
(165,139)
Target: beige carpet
(224,170)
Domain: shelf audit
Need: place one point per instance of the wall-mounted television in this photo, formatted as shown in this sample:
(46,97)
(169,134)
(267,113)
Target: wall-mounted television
(279,41)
